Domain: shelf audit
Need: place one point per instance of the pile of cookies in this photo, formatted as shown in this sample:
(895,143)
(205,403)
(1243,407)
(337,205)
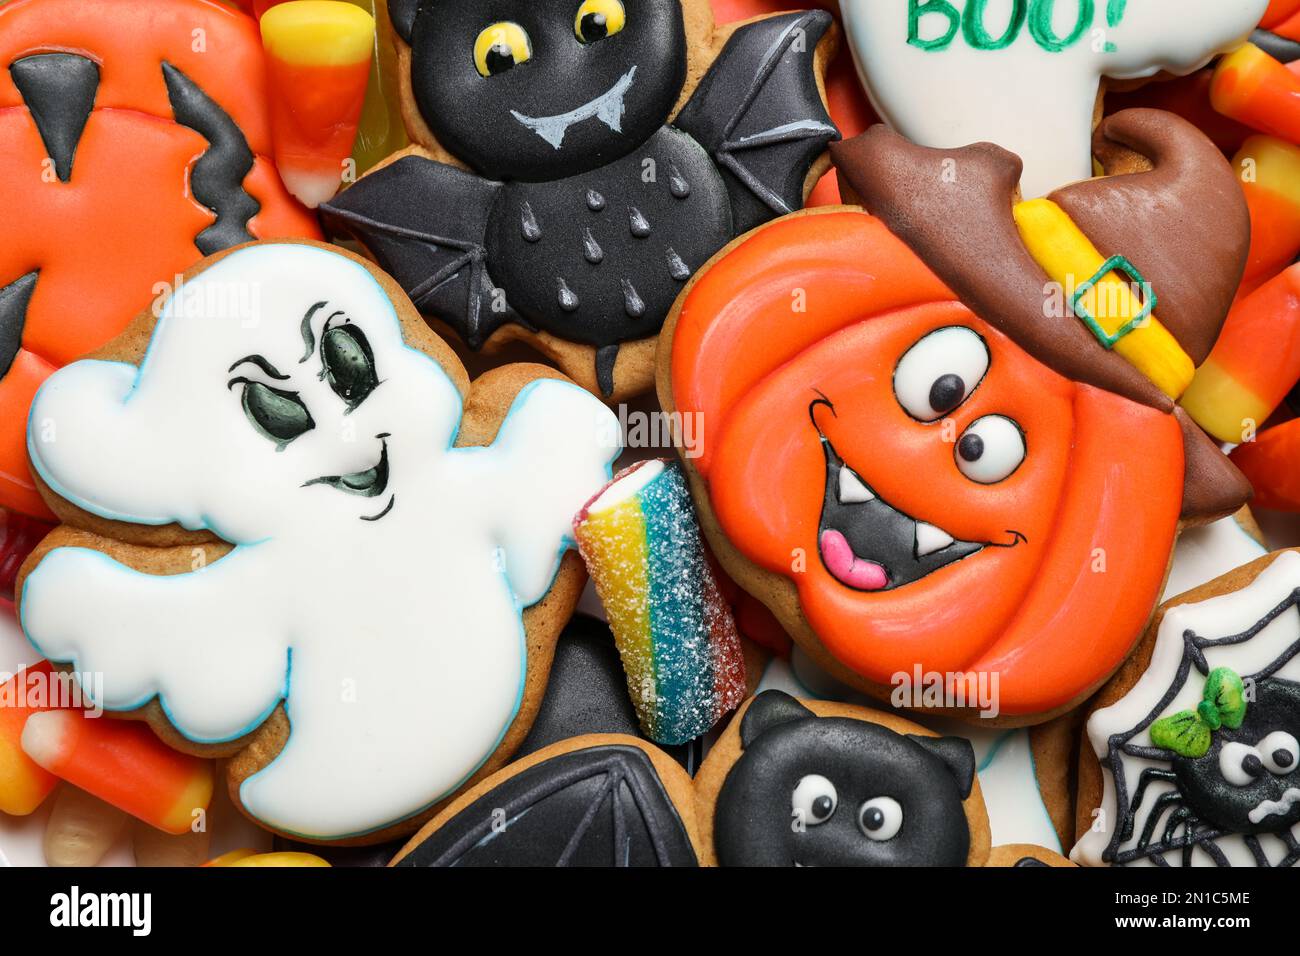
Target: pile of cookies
(650,433)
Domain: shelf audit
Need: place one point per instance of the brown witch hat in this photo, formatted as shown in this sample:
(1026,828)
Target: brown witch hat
(1169,204)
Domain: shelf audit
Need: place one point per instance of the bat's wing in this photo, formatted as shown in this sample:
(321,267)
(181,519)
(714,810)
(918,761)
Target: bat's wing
(759,113)
(603,806)
(425,223)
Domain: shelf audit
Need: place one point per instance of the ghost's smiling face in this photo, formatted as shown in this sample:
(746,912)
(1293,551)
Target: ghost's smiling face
(543,89)
(339,354)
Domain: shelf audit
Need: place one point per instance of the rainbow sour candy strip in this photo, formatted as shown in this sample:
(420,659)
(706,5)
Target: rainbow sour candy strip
(641,541)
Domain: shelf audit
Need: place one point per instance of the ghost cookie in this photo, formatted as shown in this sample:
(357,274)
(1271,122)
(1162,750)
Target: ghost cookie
(134,140)
(1027,74)
(1190,756)
(295,535)
(577,160)
(788,784)
(944,435)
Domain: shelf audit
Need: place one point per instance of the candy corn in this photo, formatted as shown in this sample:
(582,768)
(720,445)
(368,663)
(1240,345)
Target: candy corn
(153,847)
(1253,88)
(24,785)
(641,542)
(122,762)
(255,859)
(1254,364)
(318,59)
(1269,171)
(1279,14)
(81,828)
(1272,463)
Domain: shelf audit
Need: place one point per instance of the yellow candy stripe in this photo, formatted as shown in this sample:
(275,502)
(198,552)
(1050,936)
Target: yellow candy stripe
(1070,258)
(318,33)
(1221,404)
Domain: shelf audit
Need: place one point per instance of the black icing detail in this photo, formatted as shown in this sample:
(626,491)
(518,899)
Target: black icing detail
(369,483)
(14,299)
(1029,861)
(510,242)
(59,89)
(217,178)
(1199,806)
(402,13)
(345,856)
(600,807)
(1278,47)
(348,363)
(586,693)
(754,822)
(760,115)
(276,414)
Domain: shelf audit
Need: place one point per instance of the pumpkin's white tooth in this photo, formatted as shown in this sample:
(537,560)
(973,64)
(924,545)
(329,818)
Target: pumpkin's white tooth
(852,489)
(930,539)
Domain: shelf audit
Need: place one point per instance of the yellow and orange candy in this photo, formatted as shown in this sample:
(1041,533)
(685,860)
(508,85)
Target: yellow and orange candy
(1269,172)
(318,56)
(251,858)
(1256,89)
(123,763)
(1270,463)
(24,784)
(1253,365)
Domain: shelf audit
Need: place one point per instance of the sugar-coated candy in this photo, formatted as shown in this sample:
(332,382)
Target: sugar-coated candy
(641,542)
(318,55)
(81,828)
(1254,88)
(123,762)
(24,784)
(1254,364)
(153,847)
(1272,463)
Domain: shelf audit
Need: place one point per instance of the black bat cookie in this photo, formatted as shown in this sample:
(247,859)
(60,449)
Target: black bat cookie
(586,211)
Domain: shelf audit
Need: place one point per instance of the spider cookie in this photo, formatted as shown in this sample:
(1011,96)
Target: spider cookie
(1027,75)
(577,160)
(294,534)
(788,784)
(134,140)
(1190,756)
(943,436)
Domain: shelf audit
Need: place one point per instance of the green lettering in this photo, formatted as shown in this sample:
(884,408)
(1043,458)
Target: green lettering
(976,34)
(918,9)
(1040,25)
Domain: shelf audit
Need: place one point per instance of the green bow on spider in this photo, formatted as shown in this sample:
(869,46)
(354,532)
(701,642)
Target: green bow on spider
(1189,733)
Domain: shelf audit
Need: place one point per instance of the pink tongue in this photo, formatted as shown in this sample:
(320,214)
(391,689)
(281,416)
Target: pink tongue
(847,566)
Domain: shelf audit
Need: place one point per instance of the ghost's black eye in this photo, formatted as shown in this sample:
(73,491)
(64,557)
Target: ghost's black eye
(349,363)
(598,19)
(277,415)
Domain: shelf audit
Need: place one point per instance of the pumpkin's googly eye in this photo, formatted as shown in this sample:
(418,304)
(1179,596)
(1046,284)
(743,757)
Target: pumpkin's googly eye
(940,371)
(598,19)
(814,800)
(990,450)
(1239,763)
(1279,752)
(880,818)
(501,47)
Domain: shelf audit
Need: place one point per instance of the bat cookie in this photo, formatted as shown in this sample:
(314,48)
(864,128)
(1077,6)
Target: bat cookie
(134,140)
(789,783)
(577,160)
(944,436)
(294,534)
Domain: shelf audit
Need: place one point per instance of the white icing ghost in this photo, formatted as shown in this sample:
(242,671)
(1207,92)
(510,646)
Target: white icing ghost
(1034,95)
(379,574)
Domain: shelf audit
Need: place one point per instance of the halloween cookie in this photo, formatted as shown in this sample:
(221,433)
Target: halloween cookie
(1027,75)
(134,140)
(943,436)
(296,535)
(577,160)
(788,784)
(1191,756)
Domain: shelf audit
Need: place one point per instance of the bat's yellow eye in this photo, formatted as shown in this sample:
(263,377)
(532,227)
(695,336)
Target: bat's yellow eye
(598,19)
(500,47)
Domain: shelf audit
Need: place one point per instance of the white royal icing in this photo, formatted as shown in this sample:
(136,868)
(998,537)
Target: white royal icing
(390,625)
(1218,617)
(1205,552)
(1027,97)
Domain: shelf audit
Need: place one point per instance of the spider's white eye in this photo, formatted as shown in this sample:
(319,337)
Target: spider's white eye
(1279,752)
(814,799)
(940,371)
(990,450)
(881,818)
(1239,763)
